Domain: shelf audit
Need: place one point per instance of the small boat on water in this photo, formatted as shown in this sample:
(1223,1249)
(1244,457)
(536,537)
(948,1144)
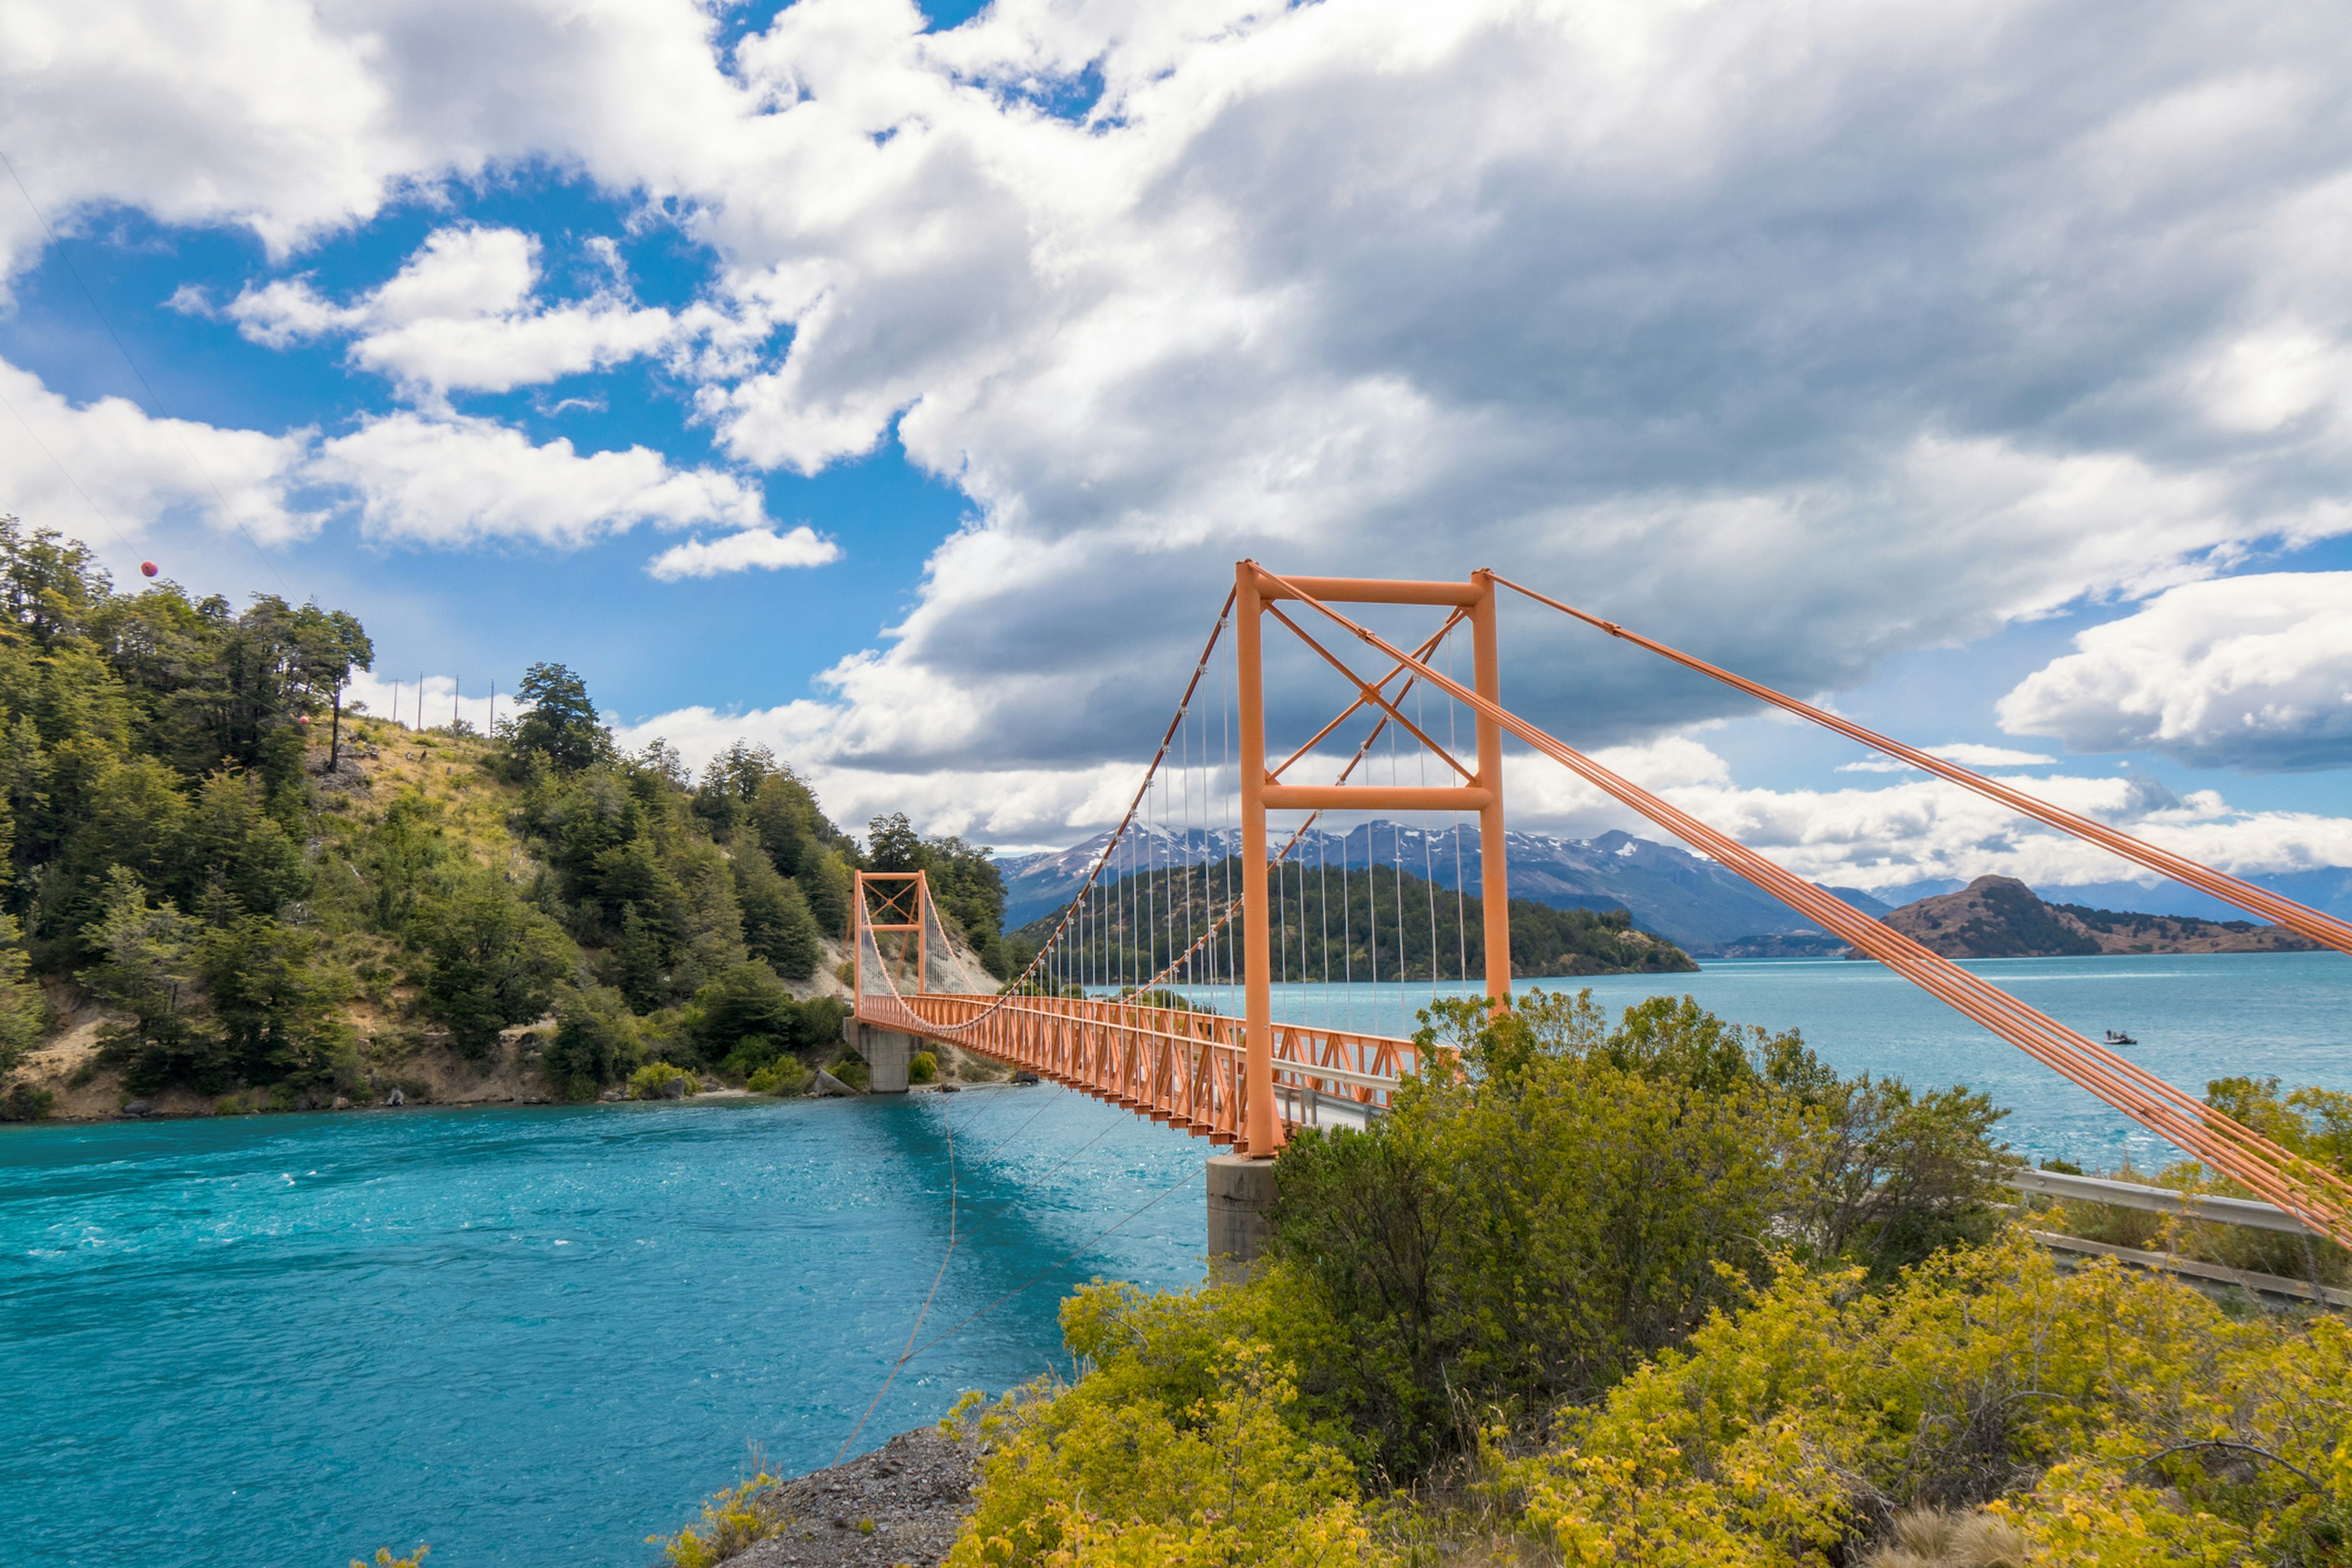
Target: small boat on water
(2113,1038)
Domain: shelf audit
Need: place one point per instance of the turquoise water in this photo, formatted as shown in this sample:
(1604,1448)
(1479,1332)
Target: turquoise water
(2197,1017)
(534,1337)
(529,1336)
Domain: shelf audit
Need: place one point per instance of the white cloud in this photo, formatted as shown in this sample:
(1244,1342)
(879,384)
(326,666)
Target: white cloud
(453,481)
(755,547)
(105,471)
(1797,334)
(2251,671)
(1887,837)
(1661,303)
(108,473)
(1967,753)
(460,316)
(280,314)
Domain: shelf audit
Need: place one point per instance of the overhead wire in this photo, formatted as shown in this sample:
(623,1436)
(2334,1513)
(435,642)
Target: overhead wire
(1047,1272)
(907,1351)
(35,437)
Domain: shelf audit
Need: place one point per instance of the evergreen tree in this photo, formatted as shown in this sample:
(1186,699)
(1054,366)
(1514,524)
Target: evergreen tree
(560,727)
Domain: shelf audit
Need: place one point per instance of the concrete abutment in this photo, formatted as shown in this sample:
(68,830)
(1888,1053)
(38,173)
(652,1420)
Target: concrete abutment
(886,1053)
(1241,1208)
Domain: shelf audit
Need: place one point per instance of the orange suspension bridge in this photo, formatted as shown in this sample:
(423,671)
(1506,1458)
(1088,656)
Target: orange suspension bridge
(1155,990)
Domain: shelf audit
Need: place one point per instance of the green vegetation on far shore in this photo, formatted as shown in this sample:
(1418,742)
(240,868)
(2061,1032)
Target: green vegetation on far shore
(1359,924)
(261,928)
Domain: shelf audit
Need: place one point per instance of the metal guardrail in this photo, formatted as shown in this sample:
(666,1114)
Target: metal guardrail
(2186,1206)
(2198,1269)
(2159,1200)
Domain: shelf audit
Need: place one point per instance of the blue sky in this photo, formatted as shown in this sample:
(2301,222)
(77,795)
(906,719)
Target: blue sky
(734,641)
(898,390)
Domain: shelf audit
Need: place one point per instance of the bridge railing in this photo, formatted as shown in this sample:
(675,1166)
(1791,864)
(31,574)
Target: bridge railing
(1175,1065)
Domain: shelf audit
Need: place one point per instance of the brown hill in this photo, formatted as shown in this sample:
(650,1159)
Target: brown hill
(2001,916)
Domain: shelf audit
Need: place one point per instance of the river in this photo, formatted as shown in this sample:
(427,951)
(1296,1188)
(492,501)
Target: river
(534,1337)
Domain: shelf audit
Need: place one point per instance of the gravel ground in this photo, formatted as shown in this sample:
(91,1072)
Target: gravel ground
(916,1488)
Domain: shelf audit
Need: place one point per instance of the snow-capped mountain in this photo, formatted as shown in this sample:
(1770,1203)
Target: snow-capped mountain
(1692,901)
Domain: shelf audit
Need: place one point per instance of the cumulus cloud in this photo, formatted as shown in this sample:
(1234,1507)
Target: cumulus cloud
(1967,753)
(762,548)
(105,470)
(1767,331)
(460,316)
(2252,672)
(1887,837)
(293,119)
(1797,334)
(451,481)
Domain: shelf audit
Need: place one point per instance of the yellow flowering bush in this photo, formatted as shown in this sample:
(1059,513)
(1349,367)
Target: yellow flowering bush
(2098,1407)
(1169,1453)
(731,1521)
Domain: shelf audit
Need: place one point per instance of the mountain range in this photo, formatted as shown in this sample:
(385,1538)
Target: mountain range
(1692,901)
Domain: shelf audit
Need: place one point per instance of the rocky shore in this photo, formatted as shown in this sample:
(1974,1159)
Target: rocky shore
(901,1504)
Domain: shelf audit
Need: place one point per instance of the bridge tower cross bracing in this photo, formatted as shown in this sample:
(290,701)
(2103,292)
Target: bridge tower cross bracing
(1254,591)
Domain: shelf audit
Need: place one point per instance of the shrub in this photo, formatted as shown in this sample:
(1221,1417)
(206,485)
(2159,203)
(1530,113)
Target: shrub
(22,1102)
(2113,1417)
(851,1069)
(22,1013)
(1579,1198)
(384,1559)
(923,1067)
(746,1000)
(731,1521)
(787,1075)
(653,1081)
(1114,1472)
(595,1040)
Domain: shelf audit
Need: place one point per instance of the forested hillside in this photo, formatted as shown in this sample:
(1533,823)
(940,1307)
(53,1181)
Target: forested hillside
(226,886)
(1384,923)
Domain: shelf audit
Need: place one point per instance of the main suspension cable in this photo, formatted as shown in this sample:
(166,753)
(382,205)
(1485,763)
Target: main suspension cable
(2311,1191)
(2320,927)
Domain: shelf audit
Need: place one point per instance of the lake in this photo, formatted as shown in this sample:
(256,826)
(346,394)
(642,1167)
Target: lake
(534,1337)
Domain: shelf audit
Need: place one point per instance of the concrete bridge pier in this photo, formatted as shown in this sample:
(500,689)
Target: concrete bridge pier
(886,1053)
(1241,1205)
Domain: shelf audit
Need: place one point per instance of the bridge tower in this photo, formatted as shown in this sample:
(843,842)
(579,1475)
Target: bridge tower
(1241,1185)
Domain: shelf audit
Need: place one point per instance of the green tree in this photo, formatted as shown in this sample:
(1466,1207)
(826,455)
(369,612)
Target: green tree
(22,1013)
(824,881)
(1579,1197)
(747,999)
(231,841)
(596,1040)
(777,924)
(2314,1122)
(892,845)
(145,966)
(490,961)
(277,1000)
(560,726)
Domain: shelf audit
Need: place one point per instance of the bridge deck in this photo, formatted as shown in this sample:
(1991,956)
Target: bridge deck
(1177,1067)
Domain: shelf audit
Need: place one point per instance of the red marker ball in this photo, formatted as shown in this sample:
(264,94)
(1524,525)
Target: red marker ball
(303,719)
(148,569)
